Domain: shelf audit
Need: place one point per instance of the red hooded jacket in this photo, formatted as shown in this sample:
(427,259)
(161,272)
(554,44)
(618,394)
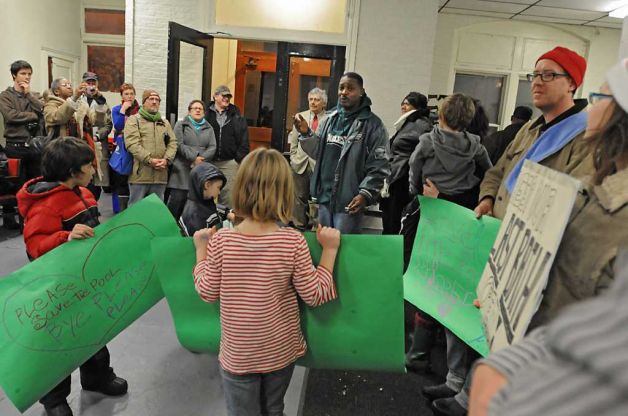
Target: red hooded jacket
(50,211)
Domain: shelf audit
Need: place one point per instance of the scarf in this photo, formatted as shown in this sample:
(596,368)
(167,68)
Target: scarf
(133,109)
(197,124)
(399,123)
(550,142)
(154,117)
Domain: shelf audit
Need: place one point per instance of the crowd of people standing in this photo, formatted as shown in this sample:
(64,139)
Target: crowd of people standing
(341,162)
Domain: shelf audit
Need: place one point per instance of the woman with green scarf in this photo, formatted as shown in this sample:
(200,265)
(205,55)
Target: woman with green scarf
(196,143)
(153,144)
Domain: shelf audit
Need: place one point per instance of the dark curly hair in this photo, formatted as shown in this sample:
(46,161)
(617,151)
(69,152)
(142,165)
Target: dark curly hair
(610,144)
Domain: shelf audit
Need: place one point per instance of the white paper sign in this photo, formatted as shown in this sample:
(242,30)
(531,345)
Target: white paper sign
(515,276)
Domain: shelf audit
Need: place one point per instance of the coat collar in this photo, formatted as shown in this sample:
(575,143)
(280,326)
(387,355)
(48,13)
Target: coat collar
(613,191)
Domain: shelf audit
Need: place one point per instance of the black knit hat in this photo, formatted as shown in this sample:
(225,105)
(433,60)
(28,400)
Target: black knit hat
(416,100)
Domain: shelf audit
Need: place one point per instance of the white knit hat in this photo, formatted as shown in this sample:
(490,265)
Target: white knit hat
(617,78)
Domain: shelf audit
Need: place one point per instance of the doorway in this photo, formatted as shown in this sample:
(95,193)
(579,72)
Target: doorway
(190,54)
(270,82)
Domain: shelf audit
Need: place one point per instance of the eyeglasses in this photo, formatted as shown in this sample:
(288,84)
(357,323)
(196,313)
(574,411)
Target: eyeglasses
(594,97)
(196,108)
(545,76)
(156,99)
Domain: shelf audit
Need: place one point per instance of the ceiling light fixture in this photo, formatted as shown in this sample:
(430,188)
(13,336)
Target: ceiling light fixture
(619,13)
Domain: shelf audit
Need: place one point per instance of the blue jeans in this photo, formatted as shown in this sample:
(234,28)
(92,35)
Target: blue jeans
(458,359)
(256,394)
(345,223)
(138,191)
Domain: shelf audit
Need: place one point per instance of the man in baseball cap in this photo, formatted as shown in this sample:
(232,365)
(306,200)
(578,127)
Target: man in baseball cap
(103,123)
(232,137)
(555,140)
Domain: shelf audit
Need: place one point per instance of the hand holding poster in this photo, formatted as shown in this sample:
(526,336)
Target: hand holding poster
(449,254)
(515,276)
(59,310)
(362,329)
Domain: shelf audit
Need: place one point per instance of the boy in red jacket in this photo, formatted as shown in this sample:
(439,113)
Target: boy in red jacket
(57,208)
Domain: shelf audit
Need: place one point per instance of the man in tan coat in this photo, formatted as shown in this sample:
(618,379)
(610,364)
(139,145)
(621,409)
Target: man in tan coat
(557,75)
(303,165)
(151,141)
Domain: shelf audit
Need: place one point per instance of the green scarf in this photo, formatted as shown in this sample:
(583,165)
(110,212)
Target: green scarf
(154,117)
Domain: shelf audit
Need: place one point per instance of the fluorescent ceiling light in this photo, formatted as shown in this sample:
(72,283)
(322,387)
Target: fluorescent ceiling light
(619,13)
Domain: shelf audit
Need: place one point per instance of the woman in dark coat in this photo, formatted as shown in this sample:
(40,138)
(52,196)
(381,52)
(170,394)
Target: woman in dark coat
(414,121)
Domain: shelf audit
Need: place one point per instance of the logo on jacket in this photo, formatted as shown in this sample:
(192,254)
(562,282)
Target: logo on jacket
(336,140)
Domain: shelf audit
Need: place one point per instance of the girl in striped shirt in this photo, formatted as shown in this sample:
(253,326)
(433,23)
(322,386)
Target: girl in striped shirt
(256,270)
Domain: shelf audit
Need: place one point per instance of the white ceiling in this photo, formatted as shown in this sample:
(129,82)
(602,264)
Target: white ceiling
(572,12)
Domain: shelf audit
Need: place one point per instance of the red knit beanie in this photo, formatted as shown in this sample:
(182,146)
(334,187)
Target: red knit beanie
(574,64)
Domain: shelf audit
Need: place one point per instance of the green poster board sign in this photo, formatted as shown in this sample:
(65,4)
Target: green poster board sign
(362,329)
(449,254)
(60,309)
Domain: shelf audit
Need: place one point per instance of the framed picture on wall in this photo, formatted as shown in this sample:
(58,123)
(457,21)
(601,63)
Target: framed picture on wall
(108,63)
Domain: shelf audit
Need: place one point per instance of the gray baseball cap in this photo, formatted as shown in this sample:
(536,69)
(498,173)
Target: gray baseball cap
(223,90)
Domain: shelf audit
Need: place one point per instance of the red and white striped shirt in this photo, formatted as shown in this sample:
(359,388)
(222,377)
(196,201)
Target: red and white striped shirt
(257,278)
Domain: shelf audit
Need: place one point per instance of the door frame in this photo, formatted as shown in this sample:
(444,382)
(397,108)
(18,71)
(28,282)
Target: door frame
(176,34)
(285,50)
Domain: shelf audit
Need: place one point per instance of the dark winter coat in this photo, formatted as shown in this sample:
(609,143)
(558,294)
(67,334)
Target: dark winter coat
(403,142)
(497,142)
(199,212)
(363,163)
(232,139)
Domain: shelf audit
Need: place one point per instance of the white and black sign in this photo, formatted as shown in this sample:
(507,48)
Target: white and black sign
(516,273)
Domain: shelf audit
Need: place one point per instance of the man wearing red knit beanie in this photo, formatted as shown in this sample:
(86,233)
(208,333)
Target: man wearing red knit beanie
(556,140)
(557,75)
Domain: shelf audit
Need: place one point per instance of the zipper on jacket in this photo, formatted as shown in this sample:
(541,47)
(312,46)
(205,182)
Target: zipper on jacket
(219,140)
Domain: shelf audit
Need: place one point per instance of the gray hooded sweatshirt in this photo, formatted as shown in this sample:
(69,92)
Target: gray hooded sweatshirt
(449,160)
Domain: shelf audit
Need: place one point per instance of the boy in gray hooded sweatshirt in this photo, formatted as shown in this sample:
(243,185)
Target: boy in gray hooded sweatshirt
(448,155)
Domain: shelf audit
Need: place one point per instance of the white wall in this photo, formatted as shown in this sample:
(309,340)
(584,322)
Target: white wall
(602,45)
(30,25)
(146,41)
(623,49)
(224,63)
(394,51)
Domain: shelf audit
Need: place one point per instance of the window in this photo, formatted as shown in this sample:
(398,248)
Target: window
(105,22)
(524,97)
(486,88)
(103,48)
